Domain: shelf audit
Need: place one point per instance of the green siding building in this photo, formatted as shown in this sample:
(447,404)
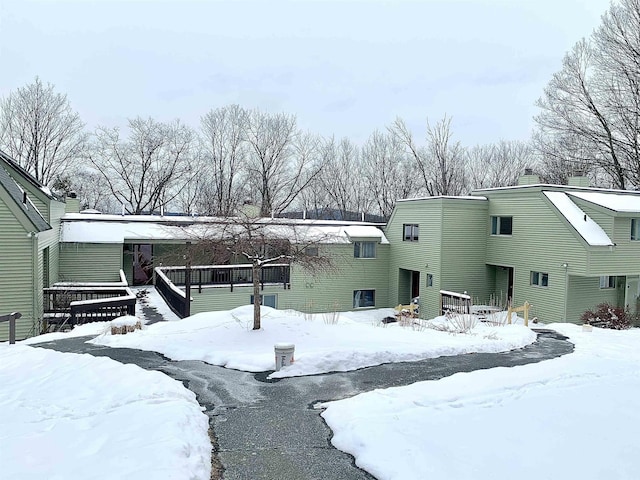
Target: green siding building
(563,249)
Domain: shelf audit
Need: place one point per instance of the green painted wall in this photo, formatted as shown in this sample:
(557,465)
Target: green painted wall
(423,255)
(90,262)
(541,241)
(451,247)
(321,292)
(585,293)
(17,284)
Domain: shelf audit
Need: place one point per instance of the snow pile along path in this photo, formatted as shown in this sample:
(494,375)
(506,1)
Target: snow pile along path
(323,342)
(575,416)
(68,416)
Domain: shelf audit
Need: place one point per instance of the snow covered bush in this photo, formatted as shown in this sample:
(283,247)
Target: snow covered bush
(606,315)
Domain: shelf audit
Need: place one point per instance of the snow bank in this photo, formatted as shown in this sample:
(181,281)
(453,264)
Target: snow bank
(323,343)
(575,416)
(67,416)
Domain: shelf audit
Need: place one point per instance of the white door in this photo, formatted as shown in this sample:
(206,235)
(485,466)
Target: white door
(631,294)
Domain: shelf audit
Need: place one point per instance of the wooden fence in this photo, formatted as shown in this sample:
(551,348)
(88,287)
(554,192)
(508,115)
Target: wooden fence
(11,318)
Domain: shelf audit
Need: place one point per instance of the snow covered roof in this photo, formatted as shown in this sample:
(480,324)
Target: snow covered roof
(452,197)
(22,200)
(584,225)
(100,228)
(616,201)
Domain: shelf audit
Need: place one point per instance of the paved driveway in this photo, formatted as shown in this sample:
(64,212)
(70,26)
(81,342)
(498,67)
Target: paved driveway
(270,430)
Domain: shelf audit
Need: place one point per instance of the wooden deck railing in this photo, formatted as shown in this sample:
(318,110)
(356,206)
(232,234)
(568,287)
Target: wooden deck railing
(228,275)
(11,318)
(77,303)
(168,280)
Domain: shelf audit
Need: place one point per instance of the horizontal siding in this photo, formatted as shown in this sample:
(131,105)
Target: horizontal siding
(541,241)
(16,281)
(623,259)
(451,247)
(90,262)
(464,243)
(314,293)
(423,256)
(585,293)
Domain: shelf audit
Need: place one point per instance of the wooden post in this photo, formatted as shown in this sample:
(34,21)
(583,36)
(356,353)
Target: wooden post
(187,282)
(509,315)
(526,314)
(11,318)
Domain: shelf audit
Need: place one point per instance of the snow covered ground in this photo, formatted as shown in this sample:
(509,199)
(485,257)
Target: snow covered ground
(576,416)
(67,416)
(571,417)
(323,342)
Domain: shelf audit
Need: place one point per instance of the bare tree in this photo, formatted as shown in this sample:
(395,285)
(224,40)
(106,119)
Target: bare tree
(225,150)
(590,110)
(388,172)
(148,169)
(40,131)
(441,162)
(498,164)
(283,161)
(263,242)
(343,179)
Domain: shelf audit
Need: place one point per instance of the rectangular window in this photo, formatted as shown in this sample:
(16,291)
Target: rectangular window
(410,232)
(607,282)
(364,298)
(540,279)
(501,225)
(635,229)
(429,280)
(267,300)
(311,251)
(364,249)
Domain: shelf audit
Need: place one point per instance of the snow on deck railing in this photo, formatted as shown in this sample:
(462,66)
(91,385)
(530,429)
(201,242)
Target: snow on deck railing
(129,296)
(454,302)
(169,283)
(122,283)
(223,267)
(455,294)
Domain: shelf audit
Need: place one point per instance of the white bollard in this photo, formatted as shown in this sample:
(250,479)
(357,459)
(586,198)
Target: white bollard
(284,354)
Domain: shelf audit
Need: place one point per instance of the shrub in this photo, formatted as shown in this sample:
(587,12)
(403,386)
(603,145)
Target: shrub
(606,315)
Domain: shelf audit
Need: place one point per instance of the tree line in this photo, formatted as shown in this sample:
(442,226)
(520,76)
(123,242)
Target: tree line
(588,121)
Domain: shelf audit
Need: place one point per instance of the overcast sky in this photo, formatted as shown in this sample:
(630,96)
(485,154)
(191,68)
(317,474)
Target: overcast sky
(344,68)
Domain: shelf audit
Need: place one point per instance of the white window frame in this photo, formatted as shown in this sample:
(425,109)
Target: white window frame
(635,229)
(262,297)
(355,292)
(607,282)
(413,230)
(429,279)
(537,279)
(496,225)
(358,249)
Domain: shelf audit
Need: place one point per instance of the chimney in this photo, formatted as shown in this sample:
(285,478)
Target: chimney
(579,179)
(528,178)
(71,204)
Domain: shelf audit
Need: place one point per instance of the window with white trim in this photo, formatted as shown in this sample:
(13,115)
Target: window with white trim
(635,229)
(364,249)
(364,298)
(540,279)
(607,281)
(501,225)
(411,231)
(267,300)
